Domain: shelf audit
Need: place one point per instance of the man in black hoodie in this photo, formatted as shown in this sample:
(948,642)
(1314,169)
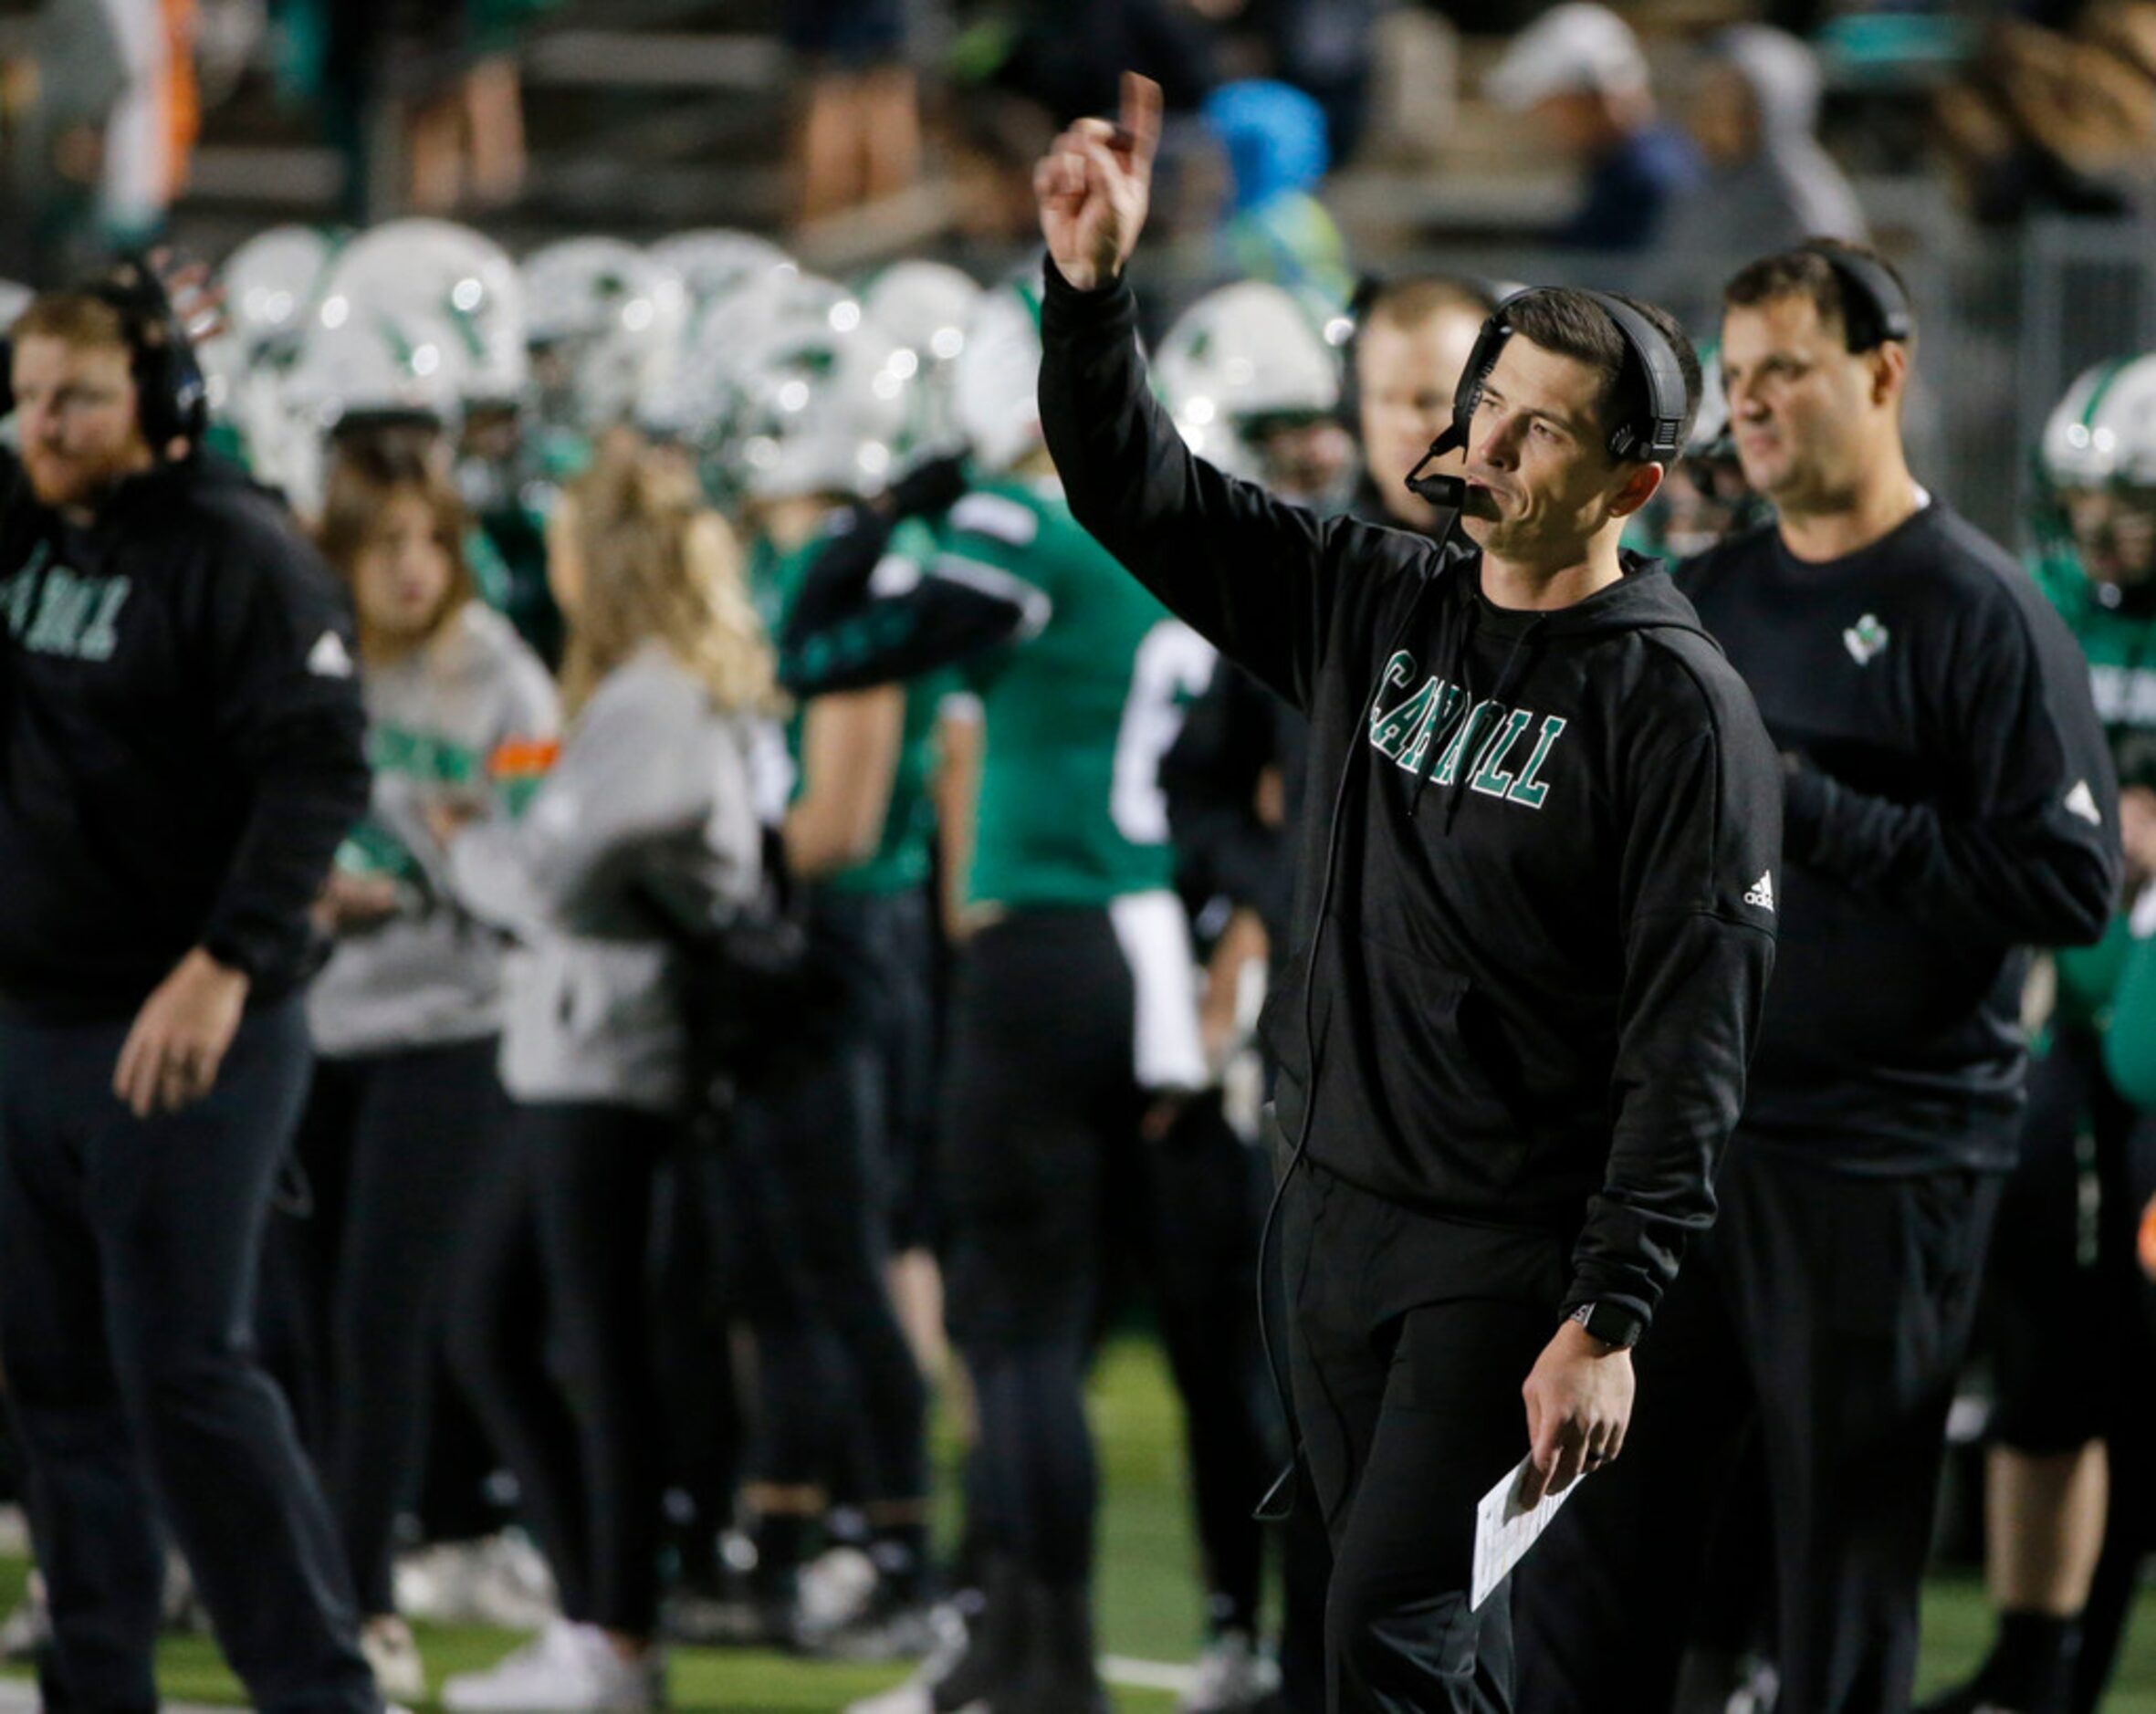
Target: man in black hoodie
(1949,803)
(181,750)
(1531,937)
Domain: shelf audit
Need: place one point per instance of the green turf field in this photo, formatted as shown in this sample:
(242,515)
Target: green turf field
(1148,1591)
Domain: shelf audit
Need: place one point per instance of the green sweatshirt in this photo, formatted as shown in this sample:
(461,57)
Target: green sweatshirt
(901,859)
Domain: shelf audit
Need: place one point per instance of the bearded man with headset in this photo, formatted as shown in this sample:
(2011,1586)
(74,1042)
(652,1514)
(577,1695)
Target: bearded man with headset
(181,751)
(1534,927)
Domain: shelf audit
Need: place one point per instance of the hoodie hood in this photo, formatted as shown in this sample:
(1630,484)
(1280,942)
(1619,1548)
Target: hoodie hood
(1783,76)
(1644,598)
(1275,136)
(1789,189)
(201,479)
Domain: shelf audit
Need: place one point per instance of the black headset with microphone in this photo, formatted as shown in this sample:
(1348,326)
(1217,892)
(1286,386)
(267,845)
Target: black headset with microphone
(171,399)
(1654,433)
(1875,307)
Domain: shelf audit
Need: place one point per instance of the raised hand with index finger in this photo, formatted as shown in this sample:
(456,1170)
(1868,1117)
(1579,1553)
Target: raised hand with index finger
(1094,187)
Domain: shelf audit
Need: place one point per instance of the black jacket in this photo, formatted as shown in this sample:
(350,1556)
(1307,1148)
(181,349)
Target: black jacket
(1234,732)
(182,742)
(1950,803)
(1541,967)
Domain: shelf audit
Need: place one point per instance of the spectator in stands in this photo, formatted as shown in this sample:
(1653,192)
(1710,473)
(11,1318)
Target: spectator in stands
(2051,121)
(860,139)
(55,100)
(450,71)
(1769,185)
(989,139)
(1276,230)
(1321,46)
(1578,69)
(1068,54)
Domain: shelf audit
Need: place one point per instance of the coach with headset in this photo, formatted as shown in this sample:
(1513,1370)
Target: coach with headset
(1949,803)
(181,751)
(1527,968)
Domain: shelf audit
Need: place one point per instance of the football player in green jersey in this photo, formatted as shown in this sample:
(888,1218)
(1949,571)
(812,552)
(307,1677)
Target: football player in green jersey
(2063,1305)
(1073,1032)
(822,402)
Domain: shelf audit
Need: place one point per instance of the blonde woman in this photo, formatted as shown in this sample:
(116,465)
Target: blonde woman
(669,688)
(402,1129)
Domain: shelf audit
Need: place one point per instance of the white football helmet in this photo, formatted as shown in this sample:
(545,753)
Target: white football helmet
(441,284)
(819,407)
(925,305)
(272,280)
(270,285)
(694,401)
(2104,431)
(366,363)
(1237,357)
(996,378)
(603,322)
(714,261)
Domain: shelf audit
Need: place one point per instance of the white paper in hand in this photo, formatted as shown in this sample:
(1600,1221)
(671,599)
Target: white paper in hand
(1505,1529)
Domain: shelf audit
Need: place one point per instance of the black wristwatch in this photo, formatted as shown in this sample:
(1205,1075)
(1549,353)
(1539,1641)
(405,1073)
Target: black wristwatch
(1612,1323)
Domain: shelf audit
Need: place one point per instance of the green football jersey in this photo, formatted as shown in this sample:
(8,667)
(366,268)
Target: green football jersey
(901,859)
(2120,644)
(1078,711)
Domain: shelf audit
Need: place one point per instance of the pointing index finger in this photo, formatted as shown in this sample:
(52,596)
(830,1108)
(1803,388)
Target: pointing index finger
(1141,117)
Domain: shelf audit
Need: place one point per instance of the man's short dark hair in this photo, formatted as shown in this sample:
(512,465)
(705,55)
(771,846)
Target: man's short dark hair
(1806,273)
(1572,324)
(1413,300)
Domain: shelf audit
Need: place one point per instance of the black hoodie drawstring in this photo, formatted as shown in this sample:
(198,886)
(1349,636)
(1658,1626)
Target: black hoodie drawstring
(1460,674)
(1455,673)
(1507,681)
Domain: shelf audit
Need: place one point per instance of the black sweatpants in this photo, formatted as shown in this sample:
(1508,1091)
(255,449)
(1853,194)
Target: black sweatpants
(1409,1411)
(597,1166)
(129,1253)
(1185,1216)
(2121,1338)
(809,1167)
(695,1308)
(392,1146)
(1046,1181)
(898,933)
(1833,1311)
(2060,1284)
(502,1310)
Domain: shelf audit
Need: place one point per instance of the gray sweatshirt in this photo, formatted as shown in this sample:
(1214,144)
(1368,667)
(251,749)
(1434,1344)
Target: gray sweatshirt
(1790,190)
(654,792)
(471,717)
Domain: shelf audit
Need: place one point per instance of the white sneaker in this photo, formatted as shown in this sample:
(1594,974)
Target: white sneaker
(913,1696)
(398,1674)
(917,1694)
(1232,1675)
(29,1628)
(513,1585)
(430,1580)
(502,1581)
(835,1588)
(566,1669)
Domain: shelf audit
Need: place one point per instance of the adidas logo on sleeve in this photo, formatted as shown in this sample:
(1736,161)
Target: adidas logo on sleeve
(330,658)
(1763,891)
